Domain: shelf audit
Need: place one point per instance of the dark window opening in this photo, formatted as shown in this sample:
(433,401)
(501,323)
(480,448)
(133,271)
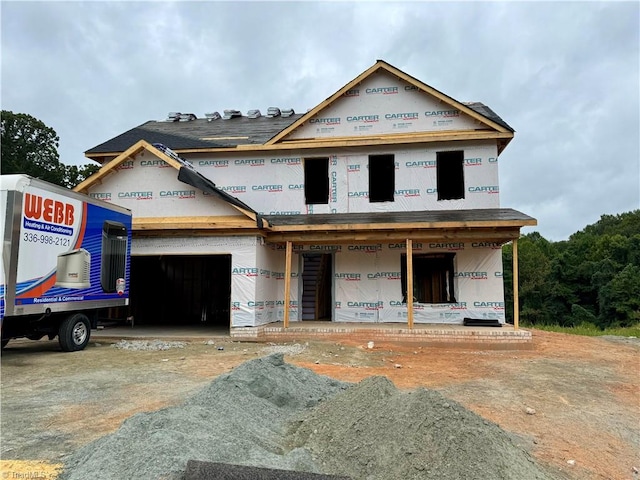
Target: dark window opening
(432,278)
(381,178)
(316,180)
(450,175)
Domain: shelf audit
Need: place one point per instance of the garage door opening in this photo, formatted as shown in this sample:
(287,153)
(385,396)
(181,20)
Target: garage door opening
(181,290)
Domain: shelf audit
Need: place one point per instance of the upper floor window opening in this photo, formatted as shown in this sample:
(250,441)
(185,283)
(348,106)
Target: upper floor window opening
(316,181)
(382,176)
(450,175)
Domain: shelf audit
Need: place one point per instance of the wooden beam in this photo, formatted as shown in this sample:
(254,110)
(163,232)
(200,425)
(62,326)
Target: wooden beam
(367,141)
(192,223)
(109,167)
(410,283)
(397,236)
(287,283)
(223,232)
(131,152)
(516,300)
(364,141)
(349,227)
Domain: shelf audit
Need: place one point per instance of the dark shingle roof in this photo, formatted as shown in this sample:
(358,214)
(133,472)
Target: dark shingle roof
(220,133)
(426,216)
(485,111)
(199,133)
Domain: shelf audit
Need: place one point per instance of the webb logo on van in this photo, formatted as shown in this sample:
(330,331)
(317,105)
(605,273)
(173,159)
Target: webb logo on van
(48,210)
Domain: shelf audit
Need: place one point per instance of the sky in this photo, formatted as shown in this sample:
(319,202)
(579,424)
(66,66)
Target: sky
(565,76)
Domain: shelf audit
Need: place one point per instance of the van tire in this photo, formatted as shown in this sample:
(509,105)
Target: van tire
(74,332)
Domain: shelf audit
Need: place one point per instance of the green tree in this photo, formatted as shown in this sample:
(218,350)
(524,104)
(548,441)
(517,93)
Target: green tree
(594,277)
(534,253)
(29,146)
(620,298)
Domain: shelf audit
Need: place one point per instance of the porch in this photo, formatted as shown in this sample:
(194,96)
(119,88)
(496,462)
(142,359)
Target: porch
(365,332)
(437,334)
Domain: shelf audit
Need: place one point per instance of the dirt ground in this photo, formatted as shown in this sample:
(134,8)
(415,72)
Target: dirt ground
(582,394)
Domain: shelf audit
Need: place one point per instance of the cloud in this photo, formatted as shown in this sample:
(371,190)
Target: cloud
(564,75)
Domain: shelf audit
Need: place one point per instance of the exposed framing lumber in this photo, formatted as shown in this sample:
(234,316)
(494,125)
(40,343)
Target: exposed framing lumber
(409,283)
(130,152)
(382,65)
(192,223)
(287,283)
(223,232)
(336,227)
(399,236)
(516,300)
(379,140)
(342,142)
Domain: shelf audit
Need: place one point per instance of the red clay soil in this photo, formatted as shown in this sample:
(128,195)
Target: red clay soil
(585,393)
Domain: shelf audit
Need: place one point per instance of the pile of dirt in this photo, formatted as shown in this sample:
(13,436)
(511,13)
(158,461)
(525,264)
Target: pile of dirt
(239,418)
(374,431)
(266,413)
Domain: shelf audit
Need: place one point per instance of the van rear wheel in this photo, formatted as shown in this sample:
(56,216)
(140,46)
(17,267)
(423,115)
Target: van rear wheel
(74,332)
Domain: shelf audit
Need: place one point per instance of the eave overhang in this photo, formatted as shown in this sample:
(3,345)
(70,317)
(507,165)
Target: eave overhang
(488,225)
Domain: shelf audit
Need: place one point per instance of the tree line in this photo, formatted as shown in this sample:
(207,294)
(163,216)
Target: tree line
(593,277)
(31,147)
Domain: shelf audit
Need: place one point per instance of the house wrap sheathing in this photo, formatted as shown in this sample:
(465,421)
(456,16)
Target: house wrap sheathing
(385,166)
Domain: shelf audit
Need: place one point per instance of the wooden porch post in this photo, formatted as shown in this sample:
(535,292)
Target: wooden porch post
(410,283)
(516,306)
(287,284)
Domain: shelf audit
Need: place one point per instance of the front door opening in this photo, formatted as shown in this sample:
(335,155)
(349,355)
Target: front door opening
(317,272)
(181,290)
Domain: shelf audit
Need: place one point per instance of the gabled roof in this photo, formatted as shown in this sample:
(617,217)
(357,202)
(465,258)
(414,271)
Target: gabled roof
(186,174)
(269,133)
(498,225)
(475,110)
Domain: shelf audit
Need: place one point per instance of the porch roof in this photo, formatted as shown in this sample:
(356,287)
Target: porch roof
(498,225)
